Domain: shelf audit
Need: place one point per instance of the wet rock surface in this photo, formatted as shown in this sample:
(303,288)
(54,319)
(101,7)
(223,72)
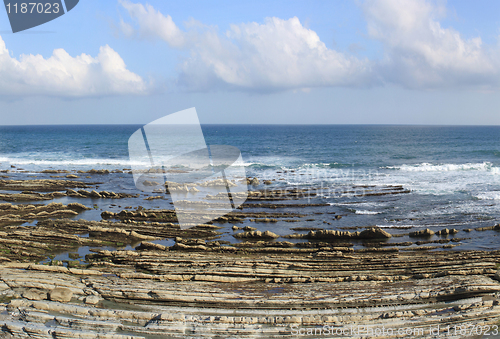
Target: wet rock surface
(99,195)
(231,295)
(18,214)
(133,284)
(42,185)
(256,235)
(423,233)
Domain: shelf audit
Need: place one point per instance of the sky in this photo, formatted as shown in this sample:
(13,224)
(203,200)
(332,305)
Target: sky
(256,62)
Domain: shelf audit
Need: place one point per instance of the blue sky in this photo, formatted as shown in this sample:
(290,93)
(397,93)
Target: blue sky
(320,62)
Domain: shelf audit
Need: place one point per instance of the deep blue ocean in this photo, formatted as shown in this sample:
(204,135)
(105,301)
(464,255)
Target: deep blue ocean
(453,172)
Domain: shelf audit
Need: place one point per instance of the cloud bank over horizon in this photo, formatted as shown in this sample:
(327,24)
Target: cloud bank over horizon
(421,54)
(62,75)
(275,55)
(282,54)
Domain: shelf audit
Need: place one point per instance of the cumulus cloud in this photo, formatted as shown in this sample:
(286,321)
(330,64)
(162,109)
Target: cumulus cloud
(277,54)
(151,23)
(282,54)
(420,53)
(67,76)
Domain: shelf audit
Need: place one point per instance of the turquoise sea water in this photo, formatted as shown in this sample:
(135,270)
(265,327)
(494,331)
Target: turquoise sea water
(453,172)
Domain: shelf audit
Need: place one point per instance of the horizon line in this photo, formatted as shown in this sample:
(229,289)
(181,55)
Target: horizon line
(270,124)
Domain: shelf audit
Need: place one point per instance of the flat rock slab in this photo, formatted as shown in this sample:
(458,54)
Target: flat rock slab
(144,306)
(35,294)
(41,185)
(299,296)
(61,294)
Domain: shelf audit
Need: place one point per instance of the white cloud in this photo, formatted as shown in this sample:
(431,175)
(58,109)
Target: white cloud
(151,23)
(282,54)
(420,53)
(278,54)
(67,76)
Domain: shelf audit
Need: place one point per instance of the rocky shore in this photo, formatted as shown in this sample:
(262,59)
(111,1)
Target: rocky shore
(142,276)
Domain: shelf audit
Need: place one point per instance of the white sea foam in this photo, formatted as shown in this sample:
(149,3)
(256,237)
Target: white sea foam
(427,167)
(423,225)
(400,226)
(366,212)
(494,195)
(68,163)
(298,183)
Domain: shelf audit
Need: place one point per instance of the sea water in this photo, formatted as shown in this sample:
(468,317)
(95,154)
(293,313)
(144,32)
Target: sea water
(452,172)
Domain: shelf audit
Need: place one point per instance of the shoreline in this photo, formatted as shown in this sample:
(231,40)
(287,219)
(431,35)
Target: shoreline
(262,284)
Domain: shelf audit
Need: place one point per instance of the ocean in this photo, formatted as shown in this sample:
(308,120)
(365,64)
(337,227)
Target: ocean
(452,172)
